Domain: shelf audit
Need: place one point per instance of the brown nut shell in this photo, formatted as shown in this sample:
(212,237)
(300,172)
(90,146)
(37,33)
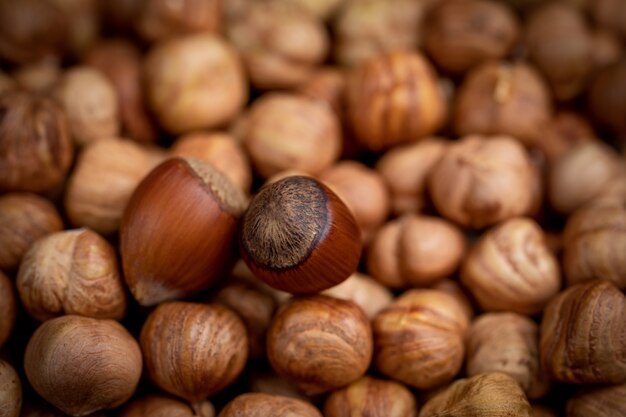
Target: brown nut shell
(157,405)
(10,391)
(607,95)
(159,20)
(364,291)
(261,405)
(598,402)
(8,308)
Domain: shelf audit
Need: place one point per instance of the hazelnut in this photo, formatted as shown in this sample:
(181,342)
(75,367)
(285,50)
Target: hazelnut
(606,48)
(405,170)
(394,98)
(156,405)
(511,268)
(8,308)
(83,24)
(610,14)
(371,397)
(419,338)
(24,218)
(82,365)
(158,20)
(194,82)
(415,250)
(364,291)
(583,335)
(120,15)
(500,98)
(362,189)
(287,131)
(270,383)
(193,350)
(460,34)
(320,343)
(480,181)
(178,233)
(35,147)
(90,103)
(607,95)
(598,402)
(543,411)
(279,45)
(492,394)
(298,236)
(321,9)
(39,76)
(10,391)
(261,405)
(564,131)
(507,343)
(454,289)
(327,85)
(220,150)
(106,173)
(7,83)
(71,272)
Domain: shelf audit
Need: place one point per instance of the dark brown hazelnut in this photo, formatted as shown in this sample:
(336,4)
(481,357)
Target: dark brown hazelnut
(607,98)
(270,383)
(83,24)
(10,391)
(610,14)
(8,308)
(156,405)
(563,132)
(262,405)
(598,402)
(163,19)
(363,291)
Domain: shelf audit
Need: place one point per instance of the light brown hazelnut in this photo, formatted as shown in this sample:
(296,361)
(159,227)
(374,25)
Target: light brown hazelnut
(39,76)
(418,339)
(507,343)
(10,391)
(583,335)
(262,405)
(24,218)
(287,131)
(563,132)
(364,291)
(158,20)
(500,98)
(394,98)
(405,170)
(220,150)
(415,250)
(598,402)
(610,14)
(280,45)
(35,146)
(194,82)
(606,48)
(607,95)
(362,189)
(320,343)
(8,308)
(71,272)
(371,397)
(156,405)
(270,383)
(511,268)
(193,350)
(492,394)
(82,365)
(461,34)
(454,289)
(106,174)
(480,181)
(328,85)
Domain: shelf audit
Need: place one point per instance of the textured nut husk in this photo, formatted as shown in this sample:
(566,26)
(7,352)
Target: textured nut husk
(486,395)
(35,146)
(511,268)
(598,402)
(156,405)
(320,343)
(415,250)
(481,181)
(71,272)
(178,233)
(394,98)
(364,291)
(162,19)
(583,335)
(460,34)
(418,339)
(221,150)
(10,391)
(261,405)
(24,218)
(564,132)
(371,397)
(281,46)
(501,98)
(106,174)
(287,131)
(82,365)
(507,343)
(8,308)
(607,95)
(193,350)
(194,82)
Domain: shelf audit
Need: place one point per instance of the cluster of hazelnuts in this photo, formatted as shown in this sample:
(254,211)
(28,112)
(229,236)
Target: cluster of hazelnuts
(347,208)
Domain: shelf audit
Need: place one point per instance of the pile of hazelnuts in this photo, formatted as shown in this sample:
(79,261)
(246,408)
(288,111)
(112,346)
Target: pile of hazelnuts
(307,208)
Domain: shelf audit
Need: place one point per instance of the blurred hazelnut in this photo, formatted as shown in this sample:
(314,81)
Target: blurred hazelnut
(414,251)
(459,34)
(156,405)
(83,24)
(394,98)
(35,146)
(8,309)
(371,397)
(563,132)
(481,181)
(607,98)
(610,14)
(327,85)
(120,15)
(503,98)
(163,19)
(606,48)
(280,46)
(453,288)
(418,339)
(510,268)
(543,411)
(10,391)
(270,383)
(598,402)
(71,272)
(220,150)
(24,218)
(39,76)
(405,170)
(262,405)
(321,9)
(90,103)
(287,131)
(194,82)
(364,291)
(7,83)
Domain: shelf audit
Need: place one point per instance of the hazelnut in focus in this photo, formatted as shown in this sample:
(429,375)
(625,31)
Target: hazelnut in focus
(10,391)
(263,405)
(156,405)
